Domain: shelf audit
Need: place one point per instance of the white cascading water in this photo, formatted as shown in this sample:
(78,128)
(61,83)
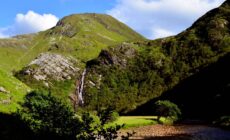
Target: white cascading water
(81,88)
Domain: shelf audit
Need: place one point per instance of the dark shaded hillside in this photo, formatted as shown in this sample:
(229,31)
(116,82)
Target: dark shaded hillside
(203,95)
(132,74)
(206,94)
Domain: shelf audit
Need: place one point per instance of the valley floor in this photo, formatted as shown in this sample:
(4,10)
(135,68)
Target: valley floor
(178,132)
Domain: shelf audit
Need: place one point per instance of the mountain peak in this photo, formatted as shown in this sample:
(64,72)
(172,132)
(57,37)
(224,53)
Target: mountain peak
(75,18)
(94,24)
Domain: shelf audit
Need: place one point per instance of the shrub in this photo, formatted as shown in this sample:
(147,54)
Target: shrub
(94,128)
(167,109)
(108,115)
(48,116)
(223,121)
(91,124)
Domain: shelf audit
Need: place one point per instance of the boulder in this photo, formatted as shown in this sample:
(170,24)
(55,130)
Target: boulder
(3,90)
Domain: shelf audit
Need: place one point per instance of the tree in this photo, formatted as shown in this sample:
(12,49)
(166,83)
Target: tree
(107,115)
(47,116)
(50,118)
(167,109)
(96,127)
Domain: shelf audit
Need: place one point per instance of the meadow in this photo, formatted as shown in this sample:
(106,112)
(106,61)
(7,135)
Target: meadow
(137,121)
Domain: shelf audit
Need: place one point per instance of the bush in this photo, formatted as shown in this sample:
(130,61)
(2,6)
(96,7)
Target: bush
(94,128)
(108,115)
(91,124)
(167,109)
(47,116)
(50,118)
(224,121)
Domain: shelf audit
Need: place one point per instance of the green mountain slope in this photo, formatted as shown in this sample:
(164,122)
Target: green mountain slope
(78,37)
(81,36)
(12,93)
(128,76)
(84,35)
(132,74)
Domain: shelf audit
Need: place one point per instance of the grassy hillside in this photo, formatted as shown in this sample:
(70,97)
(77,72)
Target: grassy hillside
(79,36)
(84,35)
(16,91)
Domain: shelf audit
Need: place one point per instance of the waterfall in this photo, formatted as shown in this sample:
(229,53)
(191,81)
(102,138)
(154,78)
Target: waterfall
(81,88)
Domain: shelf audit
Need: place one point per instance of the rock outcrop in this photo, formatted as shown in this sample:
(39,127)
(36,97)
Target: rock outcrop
(64,29)
(51,66)
(116,56)
(3,90)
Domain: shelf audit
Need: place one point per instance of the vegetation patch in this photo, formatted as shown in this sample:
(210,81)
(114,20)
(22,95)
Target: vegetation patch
(15,92)
(155,67)
(137,121)
(223,121)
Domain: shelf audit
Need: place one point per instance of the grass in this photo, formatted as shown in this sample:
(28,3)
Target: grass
(137,121)
(9,57)
(17,90)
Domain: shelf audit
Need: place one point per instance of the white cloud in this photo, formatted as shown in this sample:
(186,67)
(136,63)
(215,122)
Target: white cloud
(160,33)
(30,22)
(2,35)
(159,18)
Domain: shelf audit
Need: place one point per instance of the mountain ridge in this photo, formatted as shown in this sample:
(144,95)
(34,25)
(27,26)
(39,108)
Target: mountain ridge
(130,74)
(158,65)
(80,37)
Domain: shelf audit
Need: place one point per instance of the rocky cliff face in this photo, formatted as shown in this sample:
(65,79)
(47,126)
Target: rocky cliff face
(51,66)
(115,56)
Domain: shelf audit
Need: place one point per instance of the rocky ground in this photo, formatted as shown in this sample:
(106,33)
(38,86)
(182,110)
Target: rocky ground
(178,132)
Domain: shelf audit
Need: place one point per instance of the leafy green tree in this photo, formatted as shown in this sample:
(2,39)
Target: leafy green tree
(91,125)
(167,109)
(97,127)
(107,115)
(48,116)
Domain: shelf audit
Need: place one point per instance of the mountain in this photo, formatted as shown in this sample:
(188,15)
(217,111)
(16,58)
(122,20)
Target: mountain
(75,40)
(12,92)
(132,76)
(95,61)
(81,36)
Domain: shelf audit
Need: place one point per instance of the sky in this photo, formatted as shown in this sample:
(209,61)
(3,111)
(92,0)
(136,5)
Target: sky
(151,18)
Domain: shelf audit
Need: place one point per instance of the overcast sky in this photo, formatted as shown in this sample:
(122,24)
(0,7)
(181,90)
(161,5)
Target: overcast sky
(152,18)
